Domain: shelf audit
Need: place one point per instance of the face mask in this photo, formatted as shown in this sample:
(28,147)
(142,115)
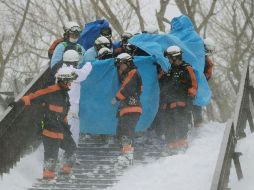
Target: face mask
(73,40)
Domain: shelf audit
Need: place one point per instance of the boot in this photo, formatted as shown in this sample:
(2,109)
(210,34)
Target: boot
(127,150)
(49,169)
(67,163)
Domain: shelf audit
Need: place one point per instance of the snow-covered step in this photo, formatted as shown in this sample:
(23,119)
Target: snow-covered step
(97,165)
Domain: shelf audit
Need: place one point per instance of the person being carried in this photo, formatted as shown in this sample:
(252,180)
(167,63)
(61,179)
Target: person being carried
(179,89)
(54,102)
(130,107)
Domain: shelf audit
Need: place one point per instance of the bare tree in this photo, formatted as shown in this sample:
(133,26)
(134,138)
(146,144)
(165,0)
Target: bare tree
(160,14)
(5,59)
(195,9)
(234,35)
(229,23)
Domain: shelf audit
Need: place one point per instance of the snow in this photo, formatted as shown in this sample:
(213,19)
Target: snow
(192,170)
(25,173)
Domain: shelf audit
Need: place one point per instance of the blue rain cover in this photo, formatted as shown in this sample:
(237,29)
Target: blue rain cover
(91,32)
(183,29)
(184,36)
(117,44)
(97,114)
(90,55)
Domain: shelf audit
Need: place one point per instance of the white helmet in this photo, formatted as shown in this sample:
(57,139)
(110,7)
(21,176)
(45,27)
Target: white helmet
(209,45)
(104,52)
(151,29)
(71,56)
(125,37)
(65,74)
(102,42)
(124,58)
(173,51)
(126,34)
(72,27)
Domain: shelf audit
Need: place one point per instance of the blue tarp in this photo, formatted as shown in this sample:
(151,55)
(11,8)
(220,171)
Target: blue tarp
(97,114)
(183,29)
(91,32)
(184,36)
(90,55)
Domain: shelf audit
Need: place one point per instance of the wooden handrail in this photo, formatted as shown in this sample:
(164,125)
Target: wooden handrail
(18,130)
(233,131)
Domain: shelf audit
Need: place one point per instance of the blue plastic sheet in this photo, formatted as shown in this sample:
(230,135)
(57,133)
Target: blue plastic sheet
(97,114)
(90,55)
(91,32)
(184,36)
(183,29)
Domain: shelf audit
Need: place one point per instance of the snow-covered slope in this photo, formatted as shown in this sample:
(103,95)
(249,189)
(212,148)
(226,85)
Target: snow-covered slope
(192,170)
(25,173)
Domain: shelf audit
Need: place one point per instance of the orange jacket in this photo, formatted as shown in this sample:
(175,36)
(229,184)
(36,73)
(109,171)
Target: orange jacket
(208,70)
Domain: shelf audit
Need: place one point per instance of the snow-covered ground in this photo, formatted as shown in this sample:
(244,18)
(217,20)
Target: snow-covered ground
(192,170)
(25,173)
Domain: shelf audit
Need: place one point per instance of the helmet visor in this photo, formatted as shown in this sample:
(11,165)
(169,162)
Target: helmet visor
(118,61)
(75,29)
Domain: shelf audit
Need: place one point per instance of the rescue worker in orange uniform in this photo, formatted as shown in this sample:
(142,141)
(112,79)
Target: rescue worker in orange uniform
(56,133)
(179,87)
(130,107)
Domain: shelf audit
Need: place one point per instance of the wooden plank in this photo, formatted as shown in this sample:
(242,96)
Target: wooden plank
(226,145)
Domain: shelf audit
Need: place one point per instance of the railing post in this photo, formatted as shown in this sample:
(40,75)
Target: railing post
(237,164)
(234,129)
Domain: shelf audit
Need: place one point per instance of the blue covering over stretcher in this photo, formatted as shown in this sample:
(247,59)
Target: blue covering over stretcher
(98,116)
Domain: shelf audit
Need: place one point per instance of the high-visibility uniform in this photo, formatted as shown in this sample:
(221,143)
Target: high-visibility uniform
(130,106)
(54,102)
(178,88)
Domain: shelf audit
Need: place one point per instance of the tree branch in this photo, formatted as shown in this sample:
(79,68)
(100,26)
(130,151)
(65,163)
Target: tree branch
(208,16)
(138,13)
(160,14)
(17,34)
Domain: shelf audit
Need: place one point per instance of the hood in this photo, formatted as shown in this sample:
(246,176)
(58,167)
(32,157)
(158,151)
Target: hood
(181,23)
